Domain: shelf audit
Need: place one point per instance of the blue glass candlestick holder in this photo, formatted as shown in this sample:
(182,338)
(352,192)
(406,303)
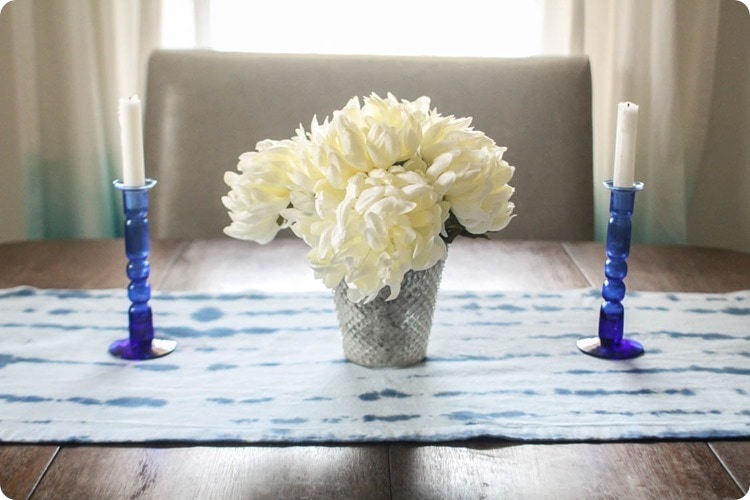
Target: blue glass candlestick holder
(610,344)
(141,343)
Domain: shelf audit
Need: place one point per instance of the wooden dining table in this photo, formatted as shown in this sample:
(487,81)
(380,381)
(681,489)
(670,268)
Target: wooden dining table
(477,468)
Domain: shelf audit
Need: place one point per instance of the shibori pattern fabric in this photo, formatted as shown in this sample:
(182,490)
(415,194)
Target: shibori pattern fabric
(268,367)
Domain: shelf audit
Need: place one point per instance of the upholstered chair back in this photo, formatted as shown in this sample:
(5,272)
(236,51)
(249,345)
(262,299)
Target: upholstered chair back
(205,108)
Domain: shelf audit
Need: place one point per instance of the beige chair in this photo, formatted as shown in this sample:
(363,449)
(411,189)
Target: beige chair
(205,108)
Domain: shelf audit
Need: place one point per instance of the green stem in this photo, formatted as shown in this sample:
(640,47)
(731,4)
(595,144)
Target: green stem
(453,228)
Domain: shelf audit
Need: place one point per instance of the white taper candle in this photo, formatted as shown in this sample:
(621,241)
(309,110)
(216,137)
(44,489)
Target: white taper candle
(627,131)
(131,136)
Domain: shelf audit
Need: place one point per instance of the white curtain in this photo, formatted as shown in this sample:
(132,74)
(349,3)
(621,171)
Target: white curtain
(662,55)
(64,66)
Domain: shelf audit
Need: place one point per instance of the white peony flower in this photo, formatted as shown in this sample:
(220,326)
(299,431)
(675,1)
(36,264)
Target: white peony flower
(260,191)
(471,168)
(377,190)
(387,223)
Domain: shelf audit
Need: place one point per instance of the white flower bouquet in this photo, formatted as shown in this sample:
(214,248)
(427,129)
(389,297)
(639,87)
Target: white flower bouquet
(377,190)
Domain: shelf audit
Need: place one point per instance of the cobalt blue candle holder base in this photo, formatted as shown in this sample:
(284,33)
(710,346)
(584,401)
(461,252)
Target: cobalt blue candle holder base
(610,344)
(126,349)
(625,349)
(140,344)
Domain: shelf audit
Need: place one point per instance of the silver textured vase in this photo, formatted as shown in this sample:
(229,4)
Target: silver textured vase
(391,333)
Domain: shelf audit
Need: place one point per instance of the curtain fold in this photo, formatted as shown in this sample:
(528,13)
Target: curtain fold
(661,55)
(67,64)
(719,211)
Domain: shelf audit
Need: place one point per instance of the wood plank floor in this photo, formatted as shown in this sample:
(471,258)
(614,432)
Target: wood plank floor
(619,470)
(218,472)
(475,469)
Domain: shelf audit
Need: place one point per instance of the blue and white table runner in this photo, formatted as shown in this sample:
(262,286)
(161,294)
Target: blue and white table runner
(257,367)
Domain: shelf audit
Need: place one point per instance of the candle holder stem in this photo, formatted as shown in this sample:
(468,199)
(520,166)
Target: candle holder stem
(141,343)
(611,344)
